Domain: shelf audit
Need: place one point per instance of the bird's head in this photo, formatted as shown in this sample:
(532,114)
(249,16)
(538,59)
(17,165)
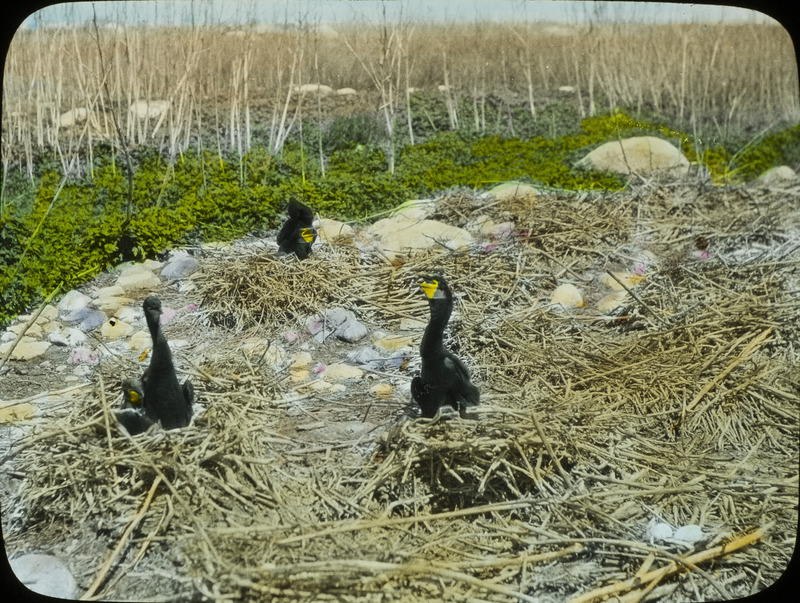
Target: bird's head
(435,287)
(152,305)
(132,392)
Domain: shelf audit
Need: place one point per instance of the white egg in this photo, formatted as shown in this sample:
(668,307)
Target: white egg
(690,533)
(660,531)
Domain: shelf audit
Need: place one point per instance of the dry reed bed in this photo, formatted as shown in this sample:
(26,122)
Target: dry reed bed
(228,83)
(682,407)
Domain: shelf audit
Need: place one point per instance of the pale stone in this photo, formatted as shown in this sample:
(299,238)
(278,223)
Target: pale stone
(66,336)
(566,89)
(412,324)
(299,374)
(136,280)
(26,349)
(568,295)
(509,191)
(346,92)
(645,155)
(401,234)
(180,267)
(13,413)
(382,390)
(612,301)
(320,89)
(149,109)
(112,304)
(629,279)
(115,329)
(394,342)
(73,300)
(342,371)
(781,174)
(332,231)
(33,331)
(140,340)
(112,291)
(301,360)
(73,117)
(88,319)
(45,575)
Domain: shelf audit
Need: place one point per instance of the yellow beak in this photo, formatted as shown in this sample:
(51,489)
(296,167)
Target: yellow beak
(307,234)
(430,288)
(134,397)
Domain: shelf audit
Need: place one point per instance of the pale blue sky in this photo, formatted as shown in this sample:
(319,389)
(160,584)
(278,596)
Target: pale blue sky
(237,12)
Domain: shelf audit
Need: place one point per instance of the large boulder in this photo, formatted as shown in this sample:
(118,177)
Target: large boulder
(643,155)
(781,174)
(407,233)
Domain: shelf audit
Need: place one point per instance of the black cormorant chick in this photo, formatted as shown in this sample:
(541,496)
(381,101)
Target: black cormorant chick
(164,398)
(297,235)
(444,379)
(133,417)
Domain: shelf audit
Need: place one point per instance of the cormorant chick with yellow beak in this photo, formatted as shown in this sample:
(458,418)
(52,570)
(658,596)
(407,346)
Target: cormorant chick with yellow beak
(164,398)
(444,379)
(297,234)
(132,417)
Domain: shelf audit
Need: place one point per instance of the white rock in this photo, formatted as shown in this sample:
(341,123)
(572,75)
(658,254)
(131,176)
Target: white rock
(394,342)
(412,324)
(180,268)
(149,109)
(628,278)
(401,234)
(33,331)
(45,575)
(612,301)
(332,231)
(115,328)
(777,176)
(645,155)
(566,89)
(301,360)
(26,349)
(568,295)
(112,291)
(382,390)
(138,279)
(67,336)
(659,531)
(140,340)
(346,92)
(512,190)
(73,300)
(320,89)
(342,371)
(74,117)
(689,533)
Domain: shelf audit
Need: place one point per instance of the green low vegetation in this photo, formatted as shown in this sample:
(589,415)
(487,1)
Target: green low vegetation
(61,231)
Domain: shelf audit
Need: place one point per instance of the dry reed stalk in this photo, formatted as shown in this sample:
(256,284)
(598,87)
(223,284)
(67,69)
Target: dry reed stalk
(106,567)
(653,576)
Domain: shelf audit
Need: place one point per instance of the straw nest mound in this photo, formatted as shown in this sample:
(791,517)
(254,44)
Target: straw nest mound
(677,409)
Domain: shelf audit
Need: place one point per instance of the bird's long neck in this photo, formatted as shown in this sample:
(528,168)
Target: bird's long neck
(440,314)
(161,353)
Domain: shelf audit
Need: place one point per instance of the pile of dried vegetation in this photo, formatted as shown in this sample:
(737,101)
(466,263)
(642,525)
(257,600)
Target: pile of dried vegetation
(681,407)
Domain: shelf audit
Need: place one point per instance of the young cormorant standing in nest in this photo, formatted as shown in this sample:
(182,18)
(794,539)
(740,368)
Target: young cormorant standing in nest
(444,379)
(297,234)
(164,398)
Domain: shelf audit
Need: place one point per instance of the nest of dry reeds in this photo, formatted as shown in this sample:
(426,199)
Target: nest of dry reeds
(679,406)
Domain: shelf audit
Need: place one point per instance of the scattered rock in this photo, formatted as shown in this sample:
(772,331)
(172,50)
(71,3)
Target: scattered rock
(320,89)
(72,301)
(180,266)
(567,295)
(394,342)
(509,191)
(140,341)
(13,413)
(33,331)
(644,155)
(342,371)
(629,279)
(777,176)
(346,92)
(334,232)
(65,336)
(404,233)
(612,301)
(88,319)
(114,328)
(382,390)
(137,277)
(45,575)
(26,349)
